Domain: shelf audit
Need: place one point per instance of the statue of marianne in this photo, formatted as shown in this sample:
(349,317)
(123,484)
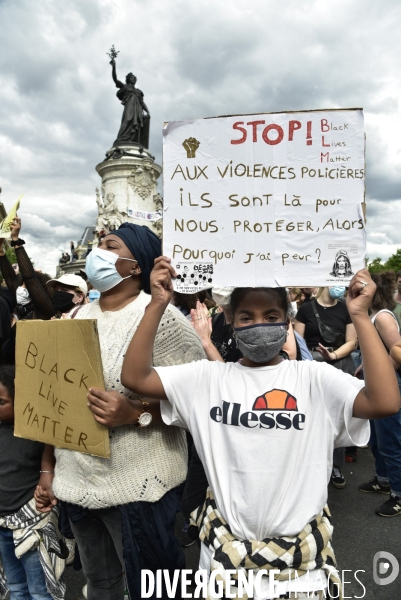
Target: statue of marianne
(134,127)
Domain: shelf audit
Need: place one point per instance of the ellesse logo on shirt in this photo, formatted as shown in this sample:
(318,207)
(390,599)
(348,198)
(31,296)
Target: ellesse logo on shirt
(275,400)
(276,409)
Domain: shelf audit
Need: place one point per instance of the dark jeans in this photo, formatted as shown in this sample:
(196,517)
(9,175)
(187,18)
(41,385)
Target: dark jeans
(119,542)
(25,577)
(99,538)
(385,442)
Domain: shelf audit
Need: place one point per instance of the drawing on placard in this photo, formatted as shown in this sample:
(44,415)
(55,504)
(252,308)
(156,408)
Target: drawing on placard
(193,277)
(191,145)
(342,265)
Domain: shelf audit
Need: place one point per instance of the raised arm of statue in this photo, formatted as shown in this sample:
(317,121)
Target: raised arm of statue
(118,83)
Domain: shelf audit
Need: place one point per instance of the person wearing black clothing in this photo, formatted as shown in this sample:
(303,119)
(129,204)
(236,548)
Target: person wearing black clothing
(186,302)
(308,293)
(8,297)
(335,314)
(41,302)
(5,323)
(31,299)
(20,465)
(216,333)
(223,338)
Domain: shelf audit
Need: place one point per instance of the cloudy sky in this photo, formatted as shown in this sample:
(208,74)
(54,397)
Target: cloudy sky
(59,113)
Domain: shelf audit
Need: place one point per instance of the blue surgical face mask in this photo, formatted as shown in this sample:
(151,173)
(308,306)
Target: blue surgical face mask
(262,342)
(337,292)
(101,269)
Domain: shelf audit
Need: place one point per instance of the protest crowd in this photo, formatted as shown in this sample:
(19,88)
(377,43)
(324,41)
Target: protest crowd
(237,406)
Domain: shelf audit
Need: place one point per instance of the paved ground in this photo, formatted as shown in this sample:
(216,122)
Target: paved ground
(358,535)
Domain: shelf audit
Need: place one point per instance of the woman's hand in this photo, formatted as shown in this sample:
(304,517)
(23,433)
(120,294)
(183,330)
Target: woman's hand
(112,408)
(360,293)
(15,228)
(201,322)
(328,356)
(161,286)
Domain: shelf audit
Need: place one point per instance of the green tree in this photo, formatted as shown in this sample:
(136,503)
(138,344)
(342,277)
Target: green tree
(394,262)
(376,266)
(10,253)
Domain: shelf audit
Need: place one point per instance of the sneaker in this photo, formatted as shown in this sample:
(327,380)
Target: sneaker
(391,508)
(85,591)
(374,486)
(337,478)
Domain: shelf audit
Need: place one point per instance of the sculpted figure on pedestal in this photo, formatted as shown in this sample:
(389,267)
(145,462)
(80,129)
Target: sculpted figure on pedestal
(134,123)
(100,223)
(112,218)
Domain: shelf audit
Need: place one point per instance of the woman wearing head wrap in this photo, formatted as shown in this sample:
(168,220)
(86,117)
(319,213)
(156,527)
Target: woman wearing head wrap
(122,509)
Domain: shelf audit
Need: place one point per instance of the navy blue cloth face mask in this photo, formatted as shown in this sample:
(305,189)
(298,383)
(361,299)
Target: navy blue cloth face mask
(262,342)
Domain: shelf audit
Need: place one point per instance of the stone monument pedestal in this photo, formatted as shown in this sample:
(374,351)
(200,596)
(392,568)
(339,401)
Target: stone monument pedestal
(128,191)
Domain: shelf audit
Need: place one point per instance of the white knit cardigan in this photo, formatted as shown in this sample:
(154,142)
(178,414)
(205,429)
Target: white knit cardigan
(144,463)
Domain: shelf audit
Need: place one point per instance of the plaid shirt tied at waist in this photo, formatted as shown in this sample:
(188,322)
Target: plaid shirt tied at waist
(311,549)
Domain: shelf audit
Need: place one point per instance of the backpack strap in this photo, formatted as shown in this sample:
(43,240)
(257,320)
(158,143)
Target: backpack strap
(322,326)
(74,314)
(314,308)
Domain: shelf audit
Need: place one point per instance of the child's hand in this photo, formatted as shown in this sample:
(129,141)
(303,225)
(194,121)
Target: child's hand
(42,500)
(360,293)
(161,286)
(44,497)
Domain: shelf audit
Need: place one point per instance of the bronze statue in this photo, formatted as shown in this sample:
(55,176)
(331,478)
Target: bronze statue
(134,128)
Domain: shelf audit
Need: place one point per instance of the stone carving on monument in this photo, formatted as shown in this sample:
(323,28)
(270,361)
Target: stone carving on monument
(142,179)
(129,172)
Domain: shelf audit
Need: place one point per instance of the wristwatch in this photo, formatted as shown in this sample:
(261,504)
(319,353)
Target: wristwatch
(145,418)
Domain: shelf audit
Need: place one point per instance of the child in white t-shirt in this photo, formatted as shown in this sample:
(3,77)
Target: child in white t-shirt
(265,429)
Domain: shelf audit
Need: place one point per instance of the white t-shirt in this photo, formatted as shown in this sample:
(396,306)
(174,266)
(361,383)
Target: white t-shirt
(265,436)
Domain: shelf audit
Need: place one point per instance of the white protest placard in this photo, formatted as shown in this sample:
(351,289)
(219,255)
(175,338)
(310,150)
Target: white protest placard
(271,199)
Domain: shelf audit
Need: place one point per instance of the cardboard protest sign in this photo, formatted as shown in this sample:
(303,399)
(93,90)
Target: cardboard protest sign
(265,200)
(56,362)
